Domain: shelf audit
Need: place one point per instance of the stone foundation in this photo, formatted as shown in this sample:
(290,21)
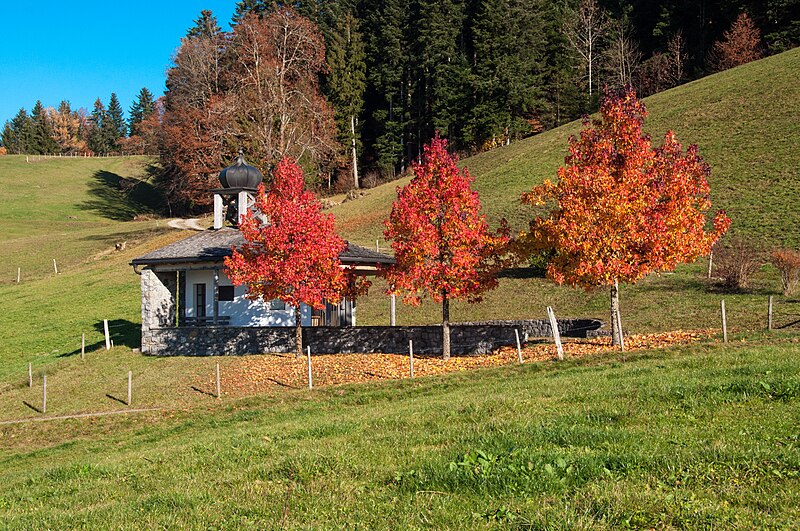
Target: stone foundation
(466,338)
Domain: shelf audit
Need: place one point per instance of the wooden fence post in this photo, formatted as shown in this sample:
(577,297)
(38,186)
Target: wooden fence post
(769,314)
(556,335)
(108,337)
(411,357)
(218,386)
(724,323)
(710,263)
(30,375)
(83,345)
(130,377)
(310,384)
(55,267)
(19,271)
(44,394)
(519,346)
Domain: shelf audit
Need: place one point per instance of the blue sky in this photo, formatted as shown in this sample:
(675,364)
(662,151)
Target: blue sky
(82,50)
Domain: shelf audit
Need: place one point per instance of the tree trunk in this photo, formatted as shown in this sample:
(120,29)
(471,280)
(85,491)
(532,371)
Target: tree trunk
(298,332)
(445,327)
(616,320)
(353,147)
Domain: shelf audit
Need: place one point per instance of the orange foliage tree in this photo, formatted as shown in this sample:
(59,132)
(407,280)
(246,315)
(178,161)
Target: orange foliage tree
(621,208)
(441,241)
(739,45)
(294,254)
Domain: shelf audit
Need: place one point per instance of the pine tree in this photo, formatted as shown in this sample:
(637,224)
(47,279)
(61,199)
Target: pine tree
(113,125)
(141,109)
(388,69)
(18,133)
(346,84)
(441,69)
(97,140)
(42,131)
(205,25)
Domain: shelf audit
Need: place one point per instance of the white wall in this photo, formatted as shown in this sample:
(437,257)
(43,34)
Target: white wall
(242,311)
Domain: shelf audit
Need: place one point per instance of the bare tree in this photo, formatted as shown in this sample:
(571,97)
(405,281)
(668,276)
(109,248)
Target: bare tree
(676,58)
(622,57)
(584,31)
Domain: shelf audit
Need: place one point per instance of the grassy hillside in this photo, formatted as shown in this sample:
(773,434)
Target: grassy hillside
(72,210)
(694,437)
(745,121)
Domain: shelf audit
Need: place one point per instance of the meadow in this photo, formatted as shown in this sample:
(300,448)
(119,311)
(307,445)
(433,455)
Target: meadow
(692,436)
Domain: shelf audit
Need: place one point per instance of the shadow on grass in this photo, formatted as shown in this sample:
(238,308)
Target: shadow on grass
(122,333)
(521,273)
(36,409)
(202,392)
(122,199)
(112,397)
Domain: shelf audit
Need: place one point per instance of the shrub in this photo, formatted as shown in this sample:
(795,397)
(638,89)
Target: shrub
(787,261)
(736,261)
(3,151)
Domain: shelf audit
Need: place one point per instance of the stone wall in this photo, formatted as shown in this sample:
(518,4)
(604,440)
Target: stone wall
(466,338)
(159,292)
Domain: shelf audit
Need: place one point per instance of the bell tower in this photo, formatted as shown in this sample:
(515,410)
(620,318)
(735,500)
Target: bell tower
(239,185)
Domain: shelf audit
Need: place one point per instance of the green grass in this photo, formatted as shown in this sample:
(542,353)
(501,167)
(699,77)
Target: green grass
(692,437)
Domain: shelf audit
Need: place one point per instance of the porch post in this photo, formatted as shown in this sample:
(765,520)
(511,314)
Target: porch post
(181,298)
(215,289)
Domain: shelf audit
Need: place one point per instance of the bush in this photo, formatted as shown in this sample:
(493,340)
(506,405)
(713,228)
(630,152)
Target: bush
(787,261)
(736,261)
(3,151)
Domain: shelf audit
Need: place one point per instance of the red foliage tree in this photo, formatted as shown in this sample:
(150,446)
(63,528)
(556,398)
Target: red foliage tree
(739,45)
(441,241)
(293,255)
(623,209)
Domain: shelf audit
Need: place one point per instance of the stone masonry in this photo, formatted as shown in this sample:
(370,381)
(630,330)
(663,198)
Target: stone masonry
(466,338)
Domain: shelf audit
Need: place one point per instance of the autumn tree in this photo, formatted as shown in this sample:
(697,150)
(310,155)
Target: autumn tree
(739,45)
(622,209)
(441,241)
(275,95)
(293,255)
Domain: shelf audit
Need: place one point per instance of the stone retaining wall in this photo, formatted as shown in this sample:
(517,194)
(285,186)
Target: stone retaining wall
(466,338)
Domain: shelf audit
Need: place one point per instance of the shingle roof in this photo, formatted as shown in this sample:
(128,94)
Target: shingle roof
(215,245)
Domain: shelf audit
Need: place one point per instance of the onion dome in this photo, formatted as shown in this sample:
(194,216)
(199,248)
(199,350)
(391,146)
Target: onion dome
(240,174)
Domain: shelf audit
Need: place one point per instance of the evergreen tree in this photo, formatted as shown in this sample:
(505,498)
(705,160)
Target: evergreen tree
(441,70)
(388,81)
(346,84)
(18,133)
(205,25)
(113,126)
(42,131)
(141,109)
(506,82)
(98,141)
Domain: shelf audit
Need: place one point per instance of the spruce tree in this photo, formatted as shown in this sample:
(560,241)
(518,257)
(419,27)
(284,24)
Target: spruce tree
(97,139)
(113,126)
(346,84)
(18,133)
(42,131)
(388,80)
(141,109)
(205,25)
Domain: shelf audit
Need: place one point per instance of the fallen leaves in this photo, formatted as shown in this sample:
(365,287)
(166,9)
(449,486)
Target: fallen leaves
(257,374)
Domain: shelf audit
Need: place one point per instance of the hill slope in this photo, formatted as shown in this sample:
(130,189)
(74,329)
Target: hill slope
(745,120)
